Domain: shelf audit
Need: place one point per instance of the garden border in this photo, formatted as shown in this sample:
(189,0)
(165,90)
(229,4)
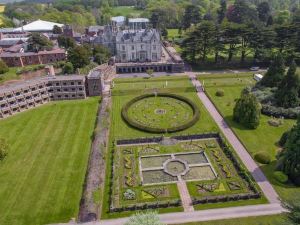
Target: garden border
(132,123)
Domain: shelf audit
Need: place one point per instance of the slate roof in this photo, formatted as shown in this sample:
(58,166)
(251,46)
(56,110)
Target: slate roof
(134,36)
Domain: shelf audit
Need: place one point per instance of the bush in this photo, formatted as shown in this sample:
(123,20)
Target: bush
(283,139)
(262,157)
(280,177)
(220,93)
(68,68)
(3,67)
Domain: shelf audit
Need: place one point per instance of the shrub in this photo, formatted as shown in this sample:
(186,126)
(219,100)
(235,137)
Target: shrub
(68,68)
(4,147)
(262,157)
(280,177)
(283,138)
(3,67)
(220,93)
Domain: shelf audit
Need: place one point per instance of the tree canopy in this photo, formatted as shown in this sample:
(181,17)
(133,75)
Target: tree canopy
(247,110)
(291,154)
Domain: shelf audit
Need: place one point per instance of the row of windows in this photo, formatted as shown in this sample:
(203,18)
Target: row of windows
(133,47)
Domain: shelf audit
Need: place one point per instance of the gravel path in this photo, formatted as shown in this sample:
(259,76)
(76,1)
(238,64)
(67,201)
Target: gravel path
(185,196)
(256,172)
(89,209)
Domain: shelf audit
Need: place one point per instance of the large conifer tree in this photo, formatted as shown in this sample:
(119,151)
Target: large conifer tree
(287,93)
(275,73)
(247,110)
(291,155)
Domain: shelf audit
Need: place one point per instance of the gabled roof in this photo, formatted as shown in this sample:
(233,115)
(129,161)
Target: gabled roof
(138,20)
(39,25)
(118,19)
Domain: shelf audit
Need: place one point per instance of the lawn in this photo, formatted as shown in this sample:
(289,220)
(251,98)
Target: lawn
(125,90)
(264,138)
(42,176)
(127,11)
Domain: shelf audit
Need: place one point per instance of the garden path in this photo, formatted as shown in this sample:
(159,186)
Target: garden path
(185,196)
(256,172)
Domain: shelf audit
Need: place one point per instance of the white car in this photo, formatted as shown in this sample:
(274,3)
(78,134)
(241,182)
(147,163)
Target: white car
(254,68)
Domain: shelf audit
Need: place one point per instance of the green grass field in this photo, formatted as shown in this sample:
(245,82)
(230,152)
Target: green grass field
(42,176)
(124,93)
(264,138)
(127,11)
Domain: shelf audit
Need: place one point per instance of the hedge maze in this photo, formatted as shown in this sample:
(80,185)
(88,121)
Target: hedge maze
(160,113)
(145,175)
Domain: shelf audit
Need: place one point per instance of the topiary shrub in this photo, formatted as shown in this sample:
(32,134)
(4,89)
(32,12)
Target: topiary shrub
(280,177)
(220,93)
(262,157)
(283,138)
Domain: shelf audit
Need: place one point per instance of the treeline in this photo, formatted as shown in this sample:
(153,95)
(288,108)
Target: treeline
(238,33)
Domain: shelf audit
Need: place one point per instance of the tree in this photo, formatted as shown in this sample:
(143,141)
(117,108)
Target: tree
(287,92)
(4,148)
(101,54)
(57,30)
(66,42)
(150,72)
(191,16)
(291,154)
(231,32)
(240,12)
(149,218)
(38,42)
(247,110)
(68,68)
(264,12)
(222,11)
(79,56)
(3,67)
(275,73)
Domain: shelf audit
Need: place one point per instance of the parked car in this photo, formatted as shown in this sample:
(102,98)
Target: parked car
(254,68)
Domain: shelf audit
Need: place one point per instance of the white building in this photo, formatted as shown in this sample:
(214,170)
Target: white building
(38,26)
(138,46)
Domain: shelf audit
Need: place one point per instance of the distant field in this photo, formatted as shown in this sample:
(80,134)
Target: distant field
(42,177)
(127,11)
(2,7)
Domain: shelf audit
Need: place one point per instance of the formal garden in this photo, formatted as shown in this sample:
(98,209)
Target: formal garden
(144,176)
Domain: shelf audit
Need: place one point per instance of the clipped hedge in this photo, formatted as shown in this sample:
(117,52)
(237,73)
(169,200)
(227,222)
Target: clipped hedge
(262,157)
(133,123)
(220,93)
(280,177)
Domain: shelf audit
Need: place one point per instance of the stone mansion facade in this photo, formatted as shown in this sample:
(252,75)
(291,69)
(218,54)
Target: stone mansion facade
(138,46)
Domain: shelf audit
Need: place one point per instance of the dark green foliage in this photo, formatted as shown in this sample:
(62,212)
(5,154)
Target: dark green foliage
(191,16)
(79,56)
(38,42)
(222,11)
(220,93)
(275,73)
(280,177)
(264,11)
(68,68)
(4,147)
(3,67)
(241,12)
(291,154)
(101,54)
(287,93)
(57,30)
(66,42)
(247,110)
(262,157)
(283,138)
